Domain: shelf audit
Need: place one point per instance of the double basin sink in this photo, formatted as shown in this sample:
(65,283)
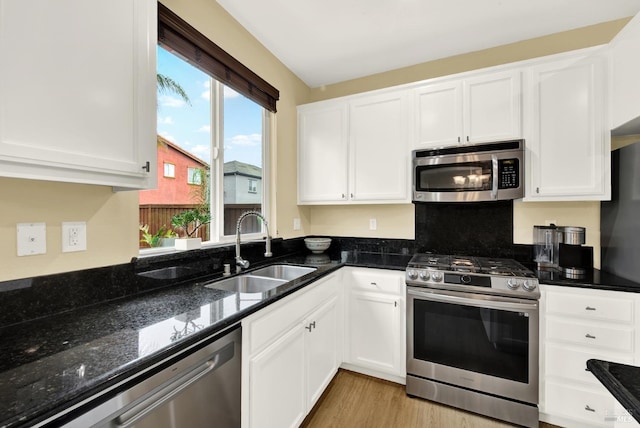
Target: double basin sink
(261,280)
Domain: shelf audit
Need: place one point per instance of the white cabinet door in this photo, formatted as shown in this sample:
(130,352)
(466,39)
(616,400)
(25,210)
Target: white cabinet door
(625,85)
(477,109)
(438,114)
(276,382)
(77,91)
(375,339)
(323,153)
(493,107)
(568,149)
(379,150)
(321,349)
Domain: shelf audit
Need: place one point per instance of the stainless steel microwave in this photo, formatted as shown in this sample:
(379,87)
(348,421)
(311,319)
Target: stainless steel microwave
(469,173)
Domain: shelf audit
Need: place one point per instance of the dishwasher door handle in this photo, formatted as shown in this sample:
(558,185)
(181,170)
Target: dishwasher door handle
(171,390)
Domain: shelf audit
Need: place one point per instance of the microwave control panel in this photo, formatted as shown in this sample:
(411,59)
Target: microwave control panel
(508,173)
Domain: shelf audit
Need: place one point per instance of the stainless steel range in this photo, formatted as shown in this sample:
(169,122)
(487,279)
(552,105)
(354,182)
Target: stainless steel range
(472,335)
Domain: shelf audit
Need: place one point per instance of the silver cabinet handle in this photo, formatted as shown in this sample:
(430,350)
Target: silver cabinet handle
(589,409)
(588,336)
(589,308)
(343,196)
(458,139)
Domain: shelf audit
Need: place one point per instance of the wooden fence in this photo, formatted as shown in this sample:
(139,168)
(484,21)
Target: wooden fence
(158,215)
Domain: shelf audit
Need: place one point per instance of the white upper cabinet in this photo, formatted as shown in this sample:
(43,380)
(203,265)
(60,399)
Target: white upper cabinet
(625,81)
(568,144)
(78,91)
(379,150)
(354,150)
(323,153)
(478,109)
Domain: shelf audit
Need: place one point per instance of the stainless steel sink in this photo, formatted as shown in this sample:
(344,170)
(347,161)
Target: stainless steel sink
(286,272)
(247,284)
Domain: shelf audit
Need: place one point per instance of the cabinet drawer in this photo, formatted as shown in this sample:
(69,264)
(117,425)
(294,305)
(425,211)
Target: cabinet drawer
(617,338)
(282,315)
(376,280)
(571,363)
(592,306)
(589,405)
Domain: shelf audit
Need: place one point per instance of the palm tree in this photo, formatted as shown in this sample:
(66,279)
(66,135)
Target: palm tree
(167,84)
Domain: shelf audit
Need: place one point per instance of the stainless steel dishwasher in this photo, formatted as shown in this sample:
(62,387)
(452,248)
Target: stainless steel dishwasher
(200,390)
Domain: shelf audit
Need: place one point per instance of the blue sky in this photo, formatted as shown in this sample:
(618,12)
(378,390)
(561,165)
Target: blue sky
(189,126)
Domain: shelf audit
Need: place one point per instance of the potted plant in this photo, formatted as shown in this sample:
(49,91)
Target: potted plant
(187,224)
(162,238)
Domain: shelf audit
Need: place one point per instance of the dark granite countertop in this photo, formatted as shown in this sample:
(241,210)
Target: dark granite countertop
(595,279)
(622,381)
(52,363)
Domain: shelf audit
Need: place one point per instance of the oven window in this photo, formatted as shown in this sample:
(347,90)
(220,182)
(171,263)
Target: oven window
(459,177)
(488,341)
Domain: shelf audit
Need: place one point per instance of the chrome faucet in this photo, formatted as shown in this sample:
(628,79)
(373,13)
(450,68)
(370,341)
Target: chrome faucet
(240,262)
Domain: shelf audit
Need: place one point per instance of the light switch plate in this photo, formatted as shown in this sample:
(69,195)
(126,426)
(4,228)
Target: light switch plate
(31,238)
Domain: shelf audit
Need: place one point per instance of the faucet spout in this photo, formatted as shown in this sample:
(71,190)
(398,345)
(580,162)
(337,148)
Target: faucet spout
(240,262)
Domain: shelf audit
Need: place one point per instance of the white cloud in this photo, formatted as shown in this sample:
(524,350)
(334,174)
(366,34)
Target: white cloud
(202,151)
(206,94)
(165,120)
(230,93)
(167,136)
(204,128)
(169,101)
(245,140)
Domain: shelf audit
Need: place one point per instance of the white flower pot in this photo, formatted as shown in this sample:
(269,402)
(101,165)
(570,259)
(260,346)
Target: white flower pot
(188,243)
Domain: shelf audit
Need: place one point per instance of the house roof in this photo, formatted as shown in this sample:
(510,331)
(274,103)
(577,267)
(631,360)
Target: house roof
(241,168)
(174,146)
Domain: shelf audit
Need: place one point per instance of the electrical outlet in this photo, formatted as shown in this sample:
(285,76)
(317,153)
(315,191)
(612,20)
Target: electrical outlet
(296,224)
(74,236)
(373,224)
(31,238)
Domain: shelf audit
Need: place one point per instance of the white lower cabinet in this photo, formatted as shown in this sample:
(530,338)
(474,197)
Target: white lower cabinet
(579,324)
(375,322)
(291,351)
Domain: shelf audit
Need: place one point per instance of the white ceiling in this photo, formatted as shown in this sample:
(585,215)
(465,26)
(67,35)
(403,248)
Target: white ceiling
(329,41)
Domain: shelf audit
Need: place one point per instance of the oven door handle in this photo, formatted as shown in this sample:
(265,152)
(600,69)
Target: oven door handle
(492,303)
(494,185)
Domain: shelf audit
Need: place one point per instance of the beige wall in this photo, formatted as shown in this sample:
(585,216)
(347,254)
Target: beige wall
(112,218)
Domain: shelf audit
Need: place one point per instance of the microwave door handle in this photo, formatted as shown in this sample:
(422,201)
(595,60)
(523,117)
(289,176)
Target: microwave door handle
(494,185)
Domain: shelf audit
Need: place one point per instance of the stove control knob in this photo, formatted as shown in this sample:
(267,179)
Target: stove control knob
(529,285)
(513,283)
(436,276)
(424,276)
(412,274)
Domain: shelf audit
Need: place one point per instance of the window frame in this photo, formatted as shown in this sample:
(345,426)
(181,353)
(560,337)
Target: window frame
(164,170)
(179,37)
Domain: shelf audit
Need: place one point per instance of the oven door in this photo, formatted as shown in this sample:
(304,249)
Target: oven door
(480,342)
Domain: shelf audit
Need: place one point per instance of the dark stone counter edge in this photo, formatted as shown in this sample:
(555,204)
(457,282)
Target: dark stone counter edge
(595,280)
(137,372)
(601,370)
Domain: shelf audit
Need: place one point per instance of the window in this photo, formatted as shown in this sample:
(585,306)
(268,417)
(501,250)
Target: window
(169,170)
(194,176)
(212,125)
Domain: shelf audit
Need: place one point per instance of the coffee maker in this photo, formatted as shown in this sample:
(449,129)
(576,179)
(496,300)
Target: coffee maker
(560,248)
(573,259)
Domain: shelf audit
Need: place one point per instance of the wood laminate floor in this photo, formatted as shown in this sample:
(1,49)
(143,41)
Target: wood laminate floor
(353,400)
